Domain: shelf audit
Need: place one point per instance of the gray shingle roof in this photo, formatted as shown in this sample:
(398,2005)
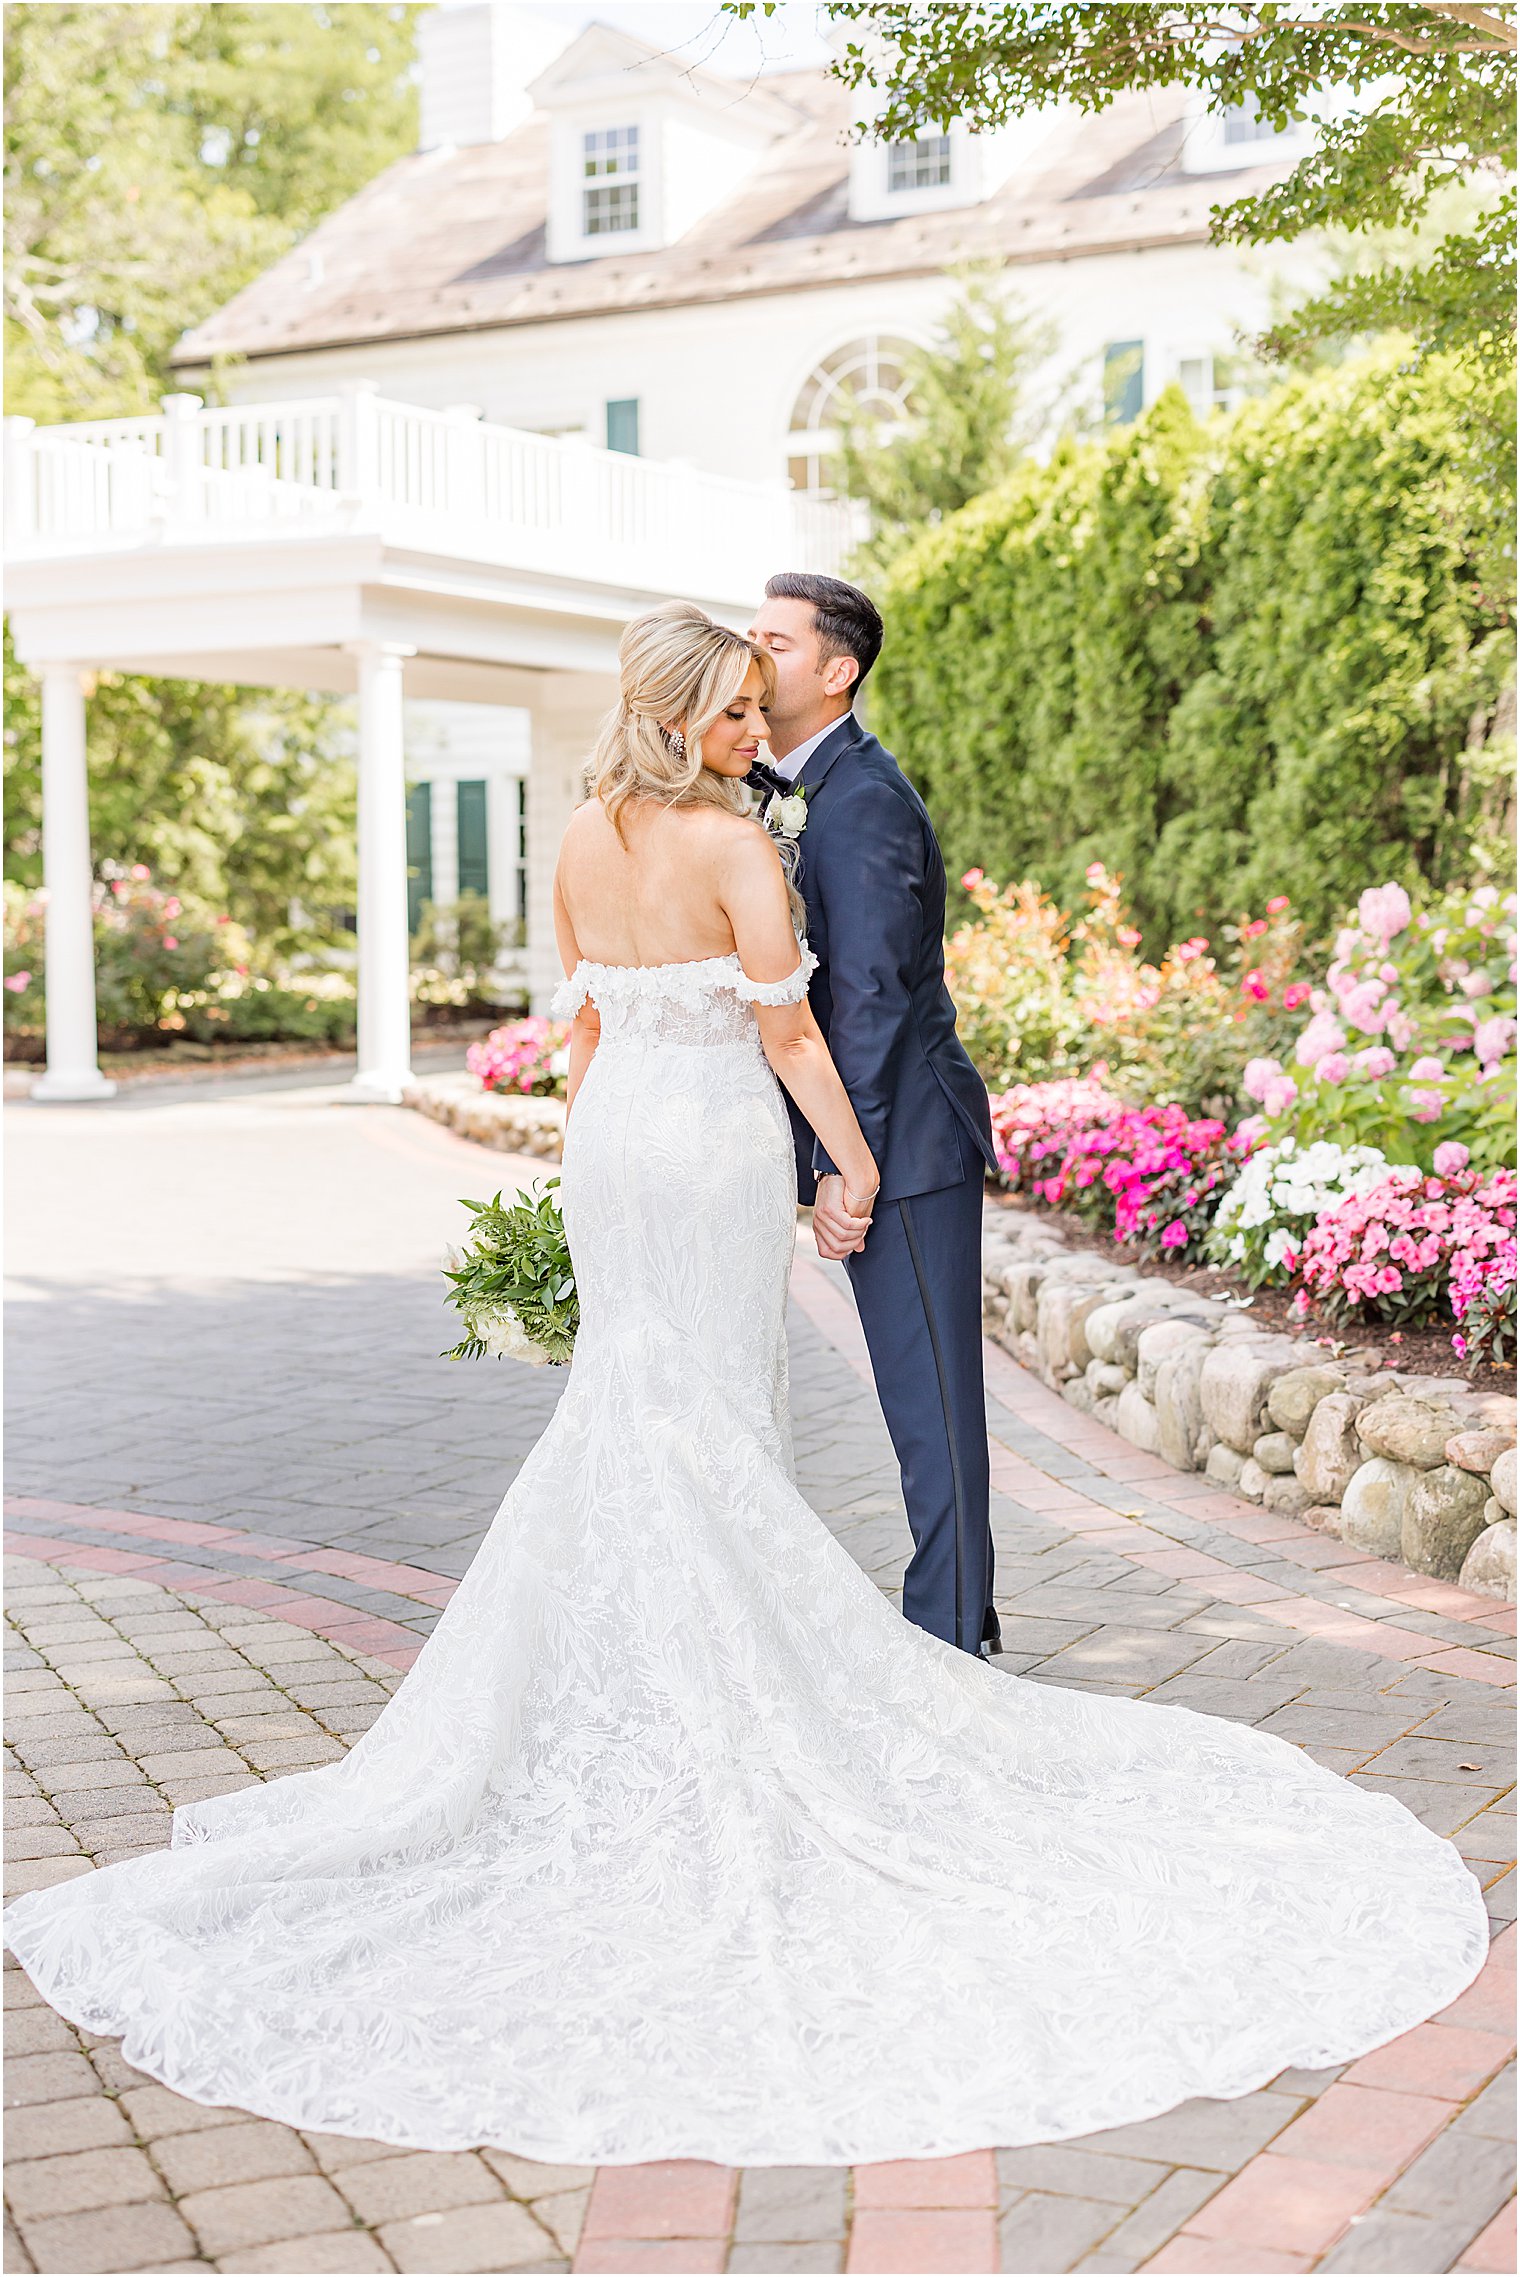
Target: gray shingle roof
(453,240)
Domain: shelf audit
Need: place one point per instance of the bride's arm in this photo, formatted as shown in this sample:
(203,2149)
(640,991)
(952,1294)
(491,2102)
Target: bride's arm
(752,891)
(586,1027)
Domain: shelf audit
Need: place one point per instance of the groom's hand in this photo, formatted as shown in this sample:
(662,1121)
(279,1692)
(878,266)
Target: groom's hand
(836,1232)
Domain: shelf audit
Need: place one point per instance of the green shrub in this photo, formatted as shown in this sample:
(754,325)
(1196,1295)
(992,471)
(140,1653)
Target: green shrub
(1229,661)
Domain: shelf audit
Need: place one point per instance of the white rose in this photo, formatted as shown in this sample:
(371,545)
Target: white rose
(788,815)
(505,1338)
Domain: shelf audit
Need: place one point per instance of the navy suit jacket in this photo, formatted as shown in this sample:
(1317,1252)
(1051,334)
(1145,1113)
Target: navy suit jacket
(874,883)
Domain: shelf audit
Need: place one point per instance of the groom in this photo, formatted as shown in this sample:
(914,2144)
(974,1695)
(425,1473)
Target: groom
(874,885)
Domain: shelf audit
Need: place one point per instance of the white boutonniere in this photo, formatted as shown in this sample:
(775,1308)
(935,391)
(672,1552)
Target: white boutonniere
(787,817)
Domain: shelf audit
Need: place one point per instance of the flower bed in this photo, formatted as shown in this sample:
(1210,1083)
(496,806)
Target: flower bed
(1395,1463)
(1041,995)
(1410,1044)
(1408,1244)
(530,1057)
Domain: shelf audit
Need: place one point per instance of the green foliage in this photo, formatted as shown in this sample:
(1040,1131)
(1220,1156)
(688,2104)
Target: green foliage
(271,1012)
(1431,100)
(158,157)
(971,422)
(238,800)
(149,948)
(167,970)
(514,1281)
(1229,662)
(1009,973)
(455,949)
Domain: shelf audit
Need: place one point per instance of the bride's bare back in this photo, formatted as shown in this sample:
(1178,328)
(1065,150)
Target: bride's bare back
(658,898)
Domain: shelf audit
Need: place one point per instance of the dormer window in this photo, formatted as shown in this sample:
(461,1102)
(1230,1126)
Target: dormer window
(1214,142)
(921,165)
(1244,123)
(610,165)
(642,146)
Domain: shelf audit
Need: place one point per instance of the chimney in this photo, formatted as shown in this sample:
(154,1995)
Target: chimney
(478,58)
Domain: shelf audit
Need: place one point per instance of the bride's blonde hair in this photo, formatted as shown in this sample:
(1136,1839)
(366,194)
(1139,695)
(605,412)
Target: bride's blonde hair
(678,671)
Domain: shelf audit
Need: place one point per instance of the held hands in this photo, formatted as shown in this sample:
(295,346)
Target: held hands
(841,1217)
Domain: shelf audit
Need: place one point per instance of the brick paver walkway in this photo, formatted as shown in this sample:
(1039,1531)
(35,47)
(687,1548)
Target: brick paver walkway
(242,1487)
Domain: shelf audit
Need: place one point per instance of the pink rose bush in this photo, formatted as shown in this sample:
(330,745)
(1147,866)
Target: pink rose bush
(1420,1246)
(530,1056)
(1410,1042)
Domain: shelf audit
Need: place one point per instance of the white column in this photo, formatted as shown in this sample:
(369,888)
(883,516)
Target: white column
(385,1011)
(565,720)
(72,1069)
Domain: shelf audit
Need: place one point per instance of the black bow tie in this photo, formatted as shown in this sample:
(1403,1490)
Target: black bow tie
(763,778)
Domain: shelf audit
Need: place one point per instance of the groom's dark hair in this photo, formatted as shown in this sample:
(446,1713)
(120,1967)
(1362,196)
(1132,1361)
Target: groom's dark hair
(847,621)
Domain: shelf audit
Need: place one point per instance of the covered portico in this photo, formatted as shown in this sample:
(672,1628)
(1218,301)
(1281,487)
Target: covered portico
(359,547)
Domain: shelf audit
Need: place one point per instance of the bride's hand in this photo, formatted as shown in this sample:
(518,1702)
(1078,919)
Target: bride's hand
(860,1201)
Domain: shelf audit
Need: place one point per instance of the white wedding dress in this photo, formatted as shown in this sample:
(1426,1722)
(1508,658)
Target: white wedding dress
(678,1841)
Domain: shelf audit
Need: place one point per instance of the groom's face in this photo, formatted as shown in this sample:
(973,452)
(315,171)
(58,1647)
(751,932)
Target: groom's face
(809,685)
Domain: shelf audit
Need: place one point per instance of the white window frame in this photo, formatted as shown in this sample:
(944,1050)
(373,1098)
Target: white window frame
(569,182)
(1206,149)
(873,197)
(819,440)
(1221,397)
(606,173)
(910,157)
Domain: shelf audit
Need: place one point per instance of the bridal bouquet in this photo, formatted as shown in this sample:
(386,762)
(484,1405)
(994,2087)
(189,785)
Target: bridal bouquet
(513,1283)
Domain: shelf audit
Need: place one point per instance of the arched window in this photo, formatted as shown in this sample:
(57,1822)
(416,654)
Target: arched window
(868,376)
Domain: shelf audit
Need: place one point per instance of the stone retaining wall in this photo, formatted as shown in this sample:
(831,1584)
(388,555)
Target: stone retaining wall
(509,1121)
(1402,1466)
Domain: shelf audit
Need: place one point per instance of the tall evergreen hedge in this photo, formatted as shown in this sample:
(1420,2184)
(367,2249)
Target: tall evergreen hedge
(1260,656)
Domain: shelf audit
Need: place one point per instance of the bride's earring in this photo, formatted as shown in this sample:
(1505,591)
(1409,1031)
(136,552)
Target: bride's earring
(677,741)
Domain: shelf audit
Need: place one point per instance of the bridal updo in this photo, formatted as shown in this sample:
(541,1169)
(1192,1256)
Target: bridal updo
(678,670)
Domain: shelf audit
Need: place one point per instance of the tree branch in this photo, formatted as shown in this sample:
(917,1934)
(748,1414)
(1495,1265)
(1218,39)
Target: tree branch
(1481,19)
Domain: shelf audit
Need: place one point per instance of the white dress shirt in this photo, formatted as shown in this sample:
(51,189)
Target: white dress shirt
(792,765)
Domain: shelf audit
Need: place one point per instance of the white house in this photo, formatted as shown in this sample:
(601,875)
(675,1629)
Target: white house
(583,351)
(598,241)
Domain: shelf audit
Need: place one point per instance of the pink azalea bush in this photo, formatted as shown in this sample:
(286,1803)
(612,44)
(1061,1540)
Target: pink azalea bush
(529,1056)
(1153,1175)
(1410,1043)
(1033,1122)
(1150,1175)
(1420,1247)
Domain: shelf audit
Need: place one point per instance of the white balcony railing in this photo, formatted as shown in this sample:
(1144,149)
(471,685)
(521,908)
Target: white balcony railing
(444,480)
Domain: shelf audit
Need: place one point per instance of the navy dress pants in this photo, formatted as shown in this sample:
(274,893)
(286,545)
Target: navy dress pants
(918,1287)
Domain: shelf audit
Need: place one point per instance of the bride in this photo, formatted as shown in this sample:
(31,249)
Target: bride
(677,1840)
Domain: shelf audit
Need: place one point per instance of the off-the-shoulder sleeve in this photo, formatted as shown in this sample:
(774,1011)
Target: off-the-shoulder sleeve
(570,995)
(789,991)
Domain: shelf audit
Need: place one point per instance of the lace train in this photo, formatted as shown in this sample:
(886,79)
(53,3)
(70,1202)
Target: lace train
(678,1842)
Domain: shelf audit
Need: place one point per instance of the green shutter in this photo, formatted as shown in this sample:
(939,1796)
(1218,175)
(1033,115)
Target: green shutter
(623,426)
(474,859)
(1123,382)
(419,851)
